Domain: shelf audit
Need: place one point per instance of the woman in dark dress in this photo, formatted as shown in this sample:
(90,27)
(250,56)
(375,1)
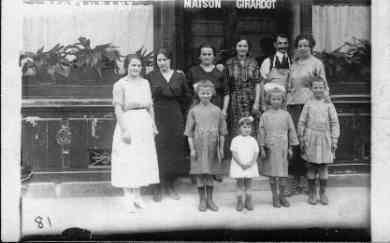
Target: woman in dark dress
(243,73)
(171,97)
(206,70)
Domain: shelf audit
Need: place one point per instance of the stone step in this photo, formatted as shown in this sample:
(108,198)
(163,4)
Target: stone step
(183,186)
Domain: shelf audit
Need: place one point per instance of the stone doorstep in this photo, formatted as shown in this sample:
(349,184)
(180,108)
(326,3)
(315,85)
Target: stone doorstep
(183,185)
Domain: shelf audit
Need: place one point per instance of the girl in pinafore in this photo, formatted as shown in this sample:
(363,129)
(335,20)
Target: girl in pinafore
(276,137)
(134,158)
(243,167)
(319,131)
(206,130)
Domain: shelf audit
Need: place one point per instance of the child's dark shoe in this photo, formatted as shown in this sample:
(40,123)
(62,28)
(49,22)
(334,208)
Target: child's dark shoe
(202,205)
(282,196)
(248,202)
(202,199)
(210,203)
(312,192)
(275,202)
(324,199)
(240,204)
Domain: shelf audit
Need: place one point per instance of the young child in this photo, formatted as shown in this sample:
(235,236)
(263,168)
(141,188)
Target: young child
(276,137)
(205,129)
(319,130)
(243,167)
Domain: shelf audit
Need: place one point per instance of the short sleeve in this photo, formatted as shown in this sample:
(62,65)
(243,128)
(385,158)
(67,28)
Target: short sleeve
(190,124)
(117,94)
(234,145)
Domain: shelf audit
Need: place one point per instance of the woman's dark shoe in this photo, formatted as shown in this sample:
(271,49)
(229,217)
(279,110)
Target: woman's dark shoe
(202,199)
(157,195)
(173,194)
(248,202)
(218,178)
(240,204)
(210,203)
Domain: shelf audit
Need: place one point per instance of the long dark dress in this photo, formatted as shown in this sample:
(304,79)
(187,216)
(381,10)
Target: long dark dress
(219,79)
(242,80)
(171,101)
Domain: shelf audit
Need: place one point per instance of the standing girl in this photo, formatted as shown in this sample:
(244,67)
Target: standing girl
(276,137)
(243,167)
(318,130)
(206,130)
(134,159)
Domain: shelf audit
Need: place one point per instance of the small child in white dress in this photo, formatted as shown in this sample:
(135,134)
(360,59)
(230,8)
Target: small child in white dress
(243,167)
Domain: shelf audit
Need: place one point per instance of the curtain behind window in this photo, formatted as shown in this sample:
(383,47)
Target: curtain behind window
(334,25)
(127,27)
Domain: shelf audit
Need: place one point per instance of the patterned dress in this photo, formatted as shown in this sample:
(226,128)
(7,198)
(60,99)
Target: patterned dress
(205,124)
(318,129)
(243,78)
(276,134)
(134,164)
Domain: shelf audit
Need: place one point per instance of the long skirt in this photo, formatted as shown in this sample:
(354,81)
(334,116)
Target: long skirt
(172,149)
(135,164)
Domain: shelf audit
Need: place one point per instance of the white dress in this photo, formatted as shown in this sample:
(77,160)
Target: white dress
(135,164)
(245,147)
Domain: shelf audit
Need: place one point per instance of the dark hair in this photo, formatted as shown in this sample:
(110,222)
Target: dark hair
(128,59)
(206,45)
(281,35)
(165,52)
(307,37)
(247,41)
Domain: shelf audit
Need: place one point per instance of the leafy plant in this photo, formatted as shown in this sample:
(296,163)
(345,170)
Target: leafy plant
(350,62)
(51,62)
(97,58)
(61,60)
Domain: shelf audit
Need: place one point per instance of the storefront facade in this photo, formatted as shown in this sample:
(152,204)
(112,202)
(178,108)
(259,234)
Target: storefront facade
(67,127)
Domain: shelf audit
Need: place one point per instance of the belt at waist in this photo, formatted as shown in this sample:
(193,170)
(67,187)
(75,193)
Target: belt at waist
(134,108)
(319,128)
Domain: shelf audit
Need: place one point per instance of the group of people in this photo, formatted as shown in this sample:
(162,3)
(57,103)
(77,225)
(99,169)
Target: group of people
(275,119)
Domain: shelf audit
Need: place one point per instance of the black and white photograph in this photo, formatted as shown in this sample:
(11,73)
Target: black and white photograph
(194,120)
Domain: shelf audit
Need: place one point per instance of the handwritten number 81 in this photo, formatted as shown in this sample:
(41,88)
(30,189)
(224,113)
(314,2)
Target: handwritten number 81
(41,221)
